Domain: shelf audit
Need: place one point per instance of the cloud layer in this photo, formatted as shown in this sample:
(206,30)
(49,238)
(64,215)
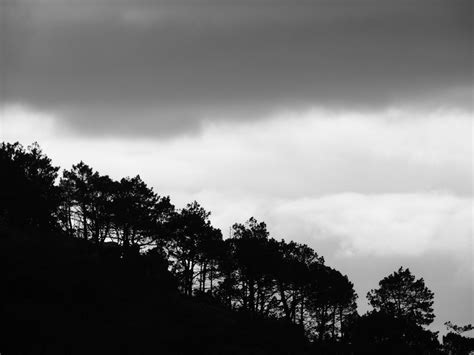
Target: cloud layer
(389,151)
(168,65)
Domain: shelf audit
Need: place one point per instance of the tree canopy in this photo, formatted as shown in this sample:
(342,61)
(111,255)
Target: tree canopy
(401,295)
(119,245)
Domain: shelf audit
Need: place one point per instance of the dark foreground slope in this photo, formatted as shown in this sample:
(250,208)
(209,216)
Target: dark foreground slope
(62,295)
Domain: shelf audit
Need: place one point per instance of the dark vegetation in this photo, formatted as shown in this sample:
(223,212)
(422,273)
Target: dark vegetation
(90,265)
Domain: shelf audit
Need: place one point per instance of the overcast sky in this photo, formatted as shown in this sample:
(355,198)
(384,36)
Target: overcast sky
(344,124)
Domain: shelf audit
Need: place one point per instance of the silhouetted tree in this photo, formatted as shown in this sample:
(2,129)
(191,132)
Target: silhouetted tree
(227,290)
(292,274)
(403,296)
(28,195)
(76,185)
(210,250)
(87,197)
(331,302)
(139,215)
(192,246)
(454,343)
(458,329)
(98,208)
(251,254)
(381,333)
(132,250)
(103,190)
(287,280)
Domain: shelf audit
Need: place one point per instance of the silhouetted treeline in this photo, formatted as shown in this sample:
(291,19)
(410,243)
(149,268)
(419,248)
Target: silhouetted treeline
(95,265)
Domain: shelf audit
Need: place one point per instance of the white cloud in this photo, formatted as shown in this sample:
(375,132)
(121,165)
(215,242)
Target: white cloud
(395,182)
(19,123)
(289,155)
(381,225)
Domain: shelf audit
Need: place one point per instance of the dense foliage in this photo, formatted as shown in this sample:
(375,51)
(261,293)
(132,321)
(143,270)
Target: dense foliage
(105,266)
(402,296)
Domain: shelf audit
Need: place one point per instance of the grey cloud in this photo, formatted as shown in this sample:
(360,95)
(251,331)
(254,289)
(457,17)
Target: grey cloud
(166,65)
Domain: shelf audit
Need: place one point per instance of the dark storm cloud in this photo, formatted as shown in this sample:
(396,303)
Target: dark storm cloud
(166,65)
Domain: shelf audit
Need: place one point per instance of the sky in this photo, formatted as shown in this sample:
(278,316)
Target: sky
(344,124)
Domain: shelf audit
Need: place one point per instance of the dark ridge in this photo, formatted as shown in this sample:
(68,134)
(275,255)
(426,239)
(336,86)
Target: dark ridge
(90,265)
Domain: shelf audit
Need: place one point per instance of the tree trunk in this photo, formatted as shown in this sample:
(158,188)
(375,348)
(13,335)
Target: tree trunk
(210,275)
(204,272)
(333,323)
(251,295)
(302,309)
(341,322)
(84,223)
(191,278)
(69,220)
(286,309)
